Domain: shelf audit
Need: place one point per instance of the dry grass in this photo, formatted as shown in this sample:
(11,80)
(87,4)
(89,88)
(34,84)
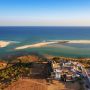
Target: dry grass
(41,84)
(27,84)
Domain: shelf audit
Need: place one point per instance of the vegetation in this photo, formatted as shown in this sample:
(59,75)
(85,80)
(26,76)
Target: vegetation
(12,73)
(18,66)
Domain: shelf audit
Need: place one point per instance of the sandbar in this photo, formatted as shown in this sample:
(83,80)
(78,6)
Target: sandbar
(41,44)
(4,43)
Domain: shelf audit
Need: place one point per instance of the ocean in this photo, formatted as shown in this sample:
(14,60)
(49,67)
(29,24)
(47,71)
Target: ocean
(35,34)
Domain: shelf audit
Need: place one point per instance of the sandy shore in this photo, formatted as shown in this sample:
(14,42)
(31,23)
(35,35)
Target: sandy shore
(79,41)
(35,45)
(4,43)
(72,41)
(41,44)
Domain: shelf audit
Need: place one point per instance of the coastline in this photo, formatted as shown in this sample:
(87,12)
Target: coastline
(27,65)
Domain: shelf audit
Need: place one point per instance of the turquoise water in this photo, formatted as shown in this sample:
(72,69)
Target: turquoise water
(31,35)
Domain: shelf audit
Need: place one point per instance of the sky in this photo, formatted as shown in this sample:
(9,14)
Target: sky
(44,12)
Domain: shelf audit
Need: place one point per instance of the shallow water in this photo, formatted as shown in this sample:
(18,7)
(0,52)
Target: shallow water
(31,35)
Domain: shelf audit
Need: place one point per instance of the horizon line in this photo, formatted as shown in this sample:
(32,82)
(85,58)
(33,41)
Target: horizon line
(43,26)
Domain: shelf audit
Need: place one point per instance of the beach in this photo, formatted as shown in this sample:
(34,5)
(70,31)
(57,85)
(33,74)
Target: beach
(72,41)
(41,44)
(4,43)
(79,41)
(7,43)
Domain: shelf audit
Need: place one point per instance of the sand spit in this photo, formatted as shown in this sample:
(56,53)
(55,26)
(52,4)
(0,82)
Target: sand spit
(72,41)
(79,41)
(6,43)
(41,44)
